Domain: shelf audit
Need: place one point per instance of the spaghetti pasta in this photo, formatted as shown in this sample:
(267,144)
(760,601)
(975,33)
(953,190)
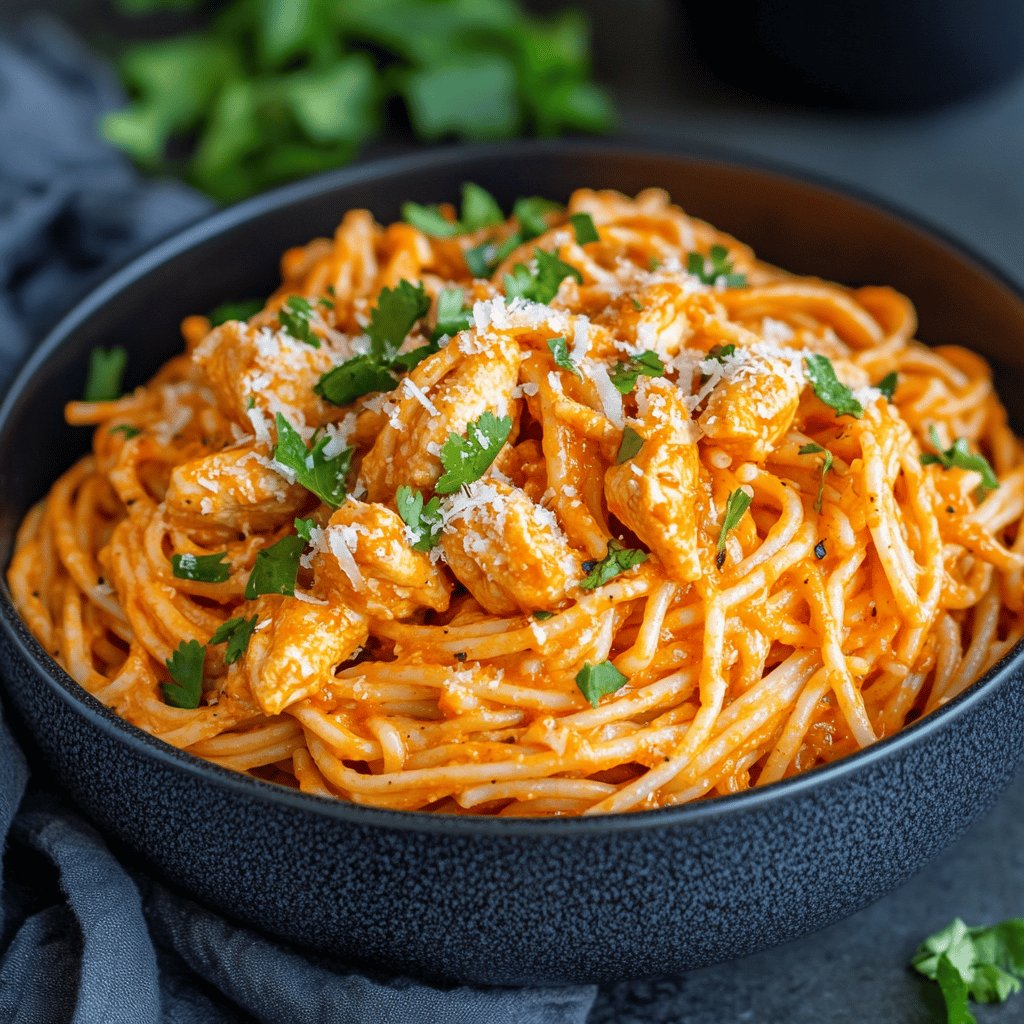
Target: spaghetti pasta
(575,512)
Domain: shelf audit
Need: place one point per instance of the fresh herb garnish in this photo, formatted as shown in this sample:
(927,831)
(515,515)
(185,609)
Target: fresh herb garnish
(202,568)
(322,476)
(393,316)
(583,228)
(617,560)
(423,519)
(482,259)
(452,315)
(983,964)
(466,458)
(236,633)
(829,388)
(647,364)
(735,507)
(632,442)
(826,464)
(240,310)
(354,378)
(276,568)
(595,681)
(958,455)
(479,209)
(715,268)
(304,528)
(721,352)
(560,351)
(532,214)
(105,378)
(542,616)
(127,429)
(542,284)
(295,316)
(186,668)
(887,385)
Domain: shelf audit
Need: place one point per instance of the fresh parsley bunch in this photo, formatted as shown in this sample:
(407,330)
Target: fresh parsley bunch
(271,90)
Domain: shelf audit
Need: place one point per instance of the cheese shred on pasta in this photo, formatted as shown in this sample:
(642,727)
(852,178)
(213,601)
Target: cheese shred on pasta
(627,548)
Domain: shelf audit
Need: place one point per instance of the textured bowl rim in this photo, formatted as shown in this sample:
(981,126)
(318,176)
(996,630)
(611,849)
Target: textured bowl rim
(107,721)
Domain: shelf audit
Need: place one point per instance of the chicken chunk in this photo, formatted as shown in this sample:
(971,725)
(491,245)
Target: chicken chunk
(655,492)
(509,553)
(445,393)
(298,652)
(234,489)
(251,368)
(368,562)
(748,412)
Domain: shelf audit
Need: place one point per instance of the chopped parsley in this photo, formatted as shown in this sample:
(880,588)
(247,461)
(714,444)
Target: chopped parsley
(304,528)
(887,385)
(104,381)
(983,964)
(295,316)
(560,350)
(202,568)
(276,568)
(541,284)
(829,388)
(127,429)
(957,455)
(479,209)
(735,507)
(826,464)
(542,616)
(617,559)
(624,375)
(721,352)
(241,310)
(391,320)
(583,228)
(715,268)
(466,458)
(482,259)
(595,681)
(532,214)
(236,633)
(186,668)
(452,314)
(322,476)
(632,442)
(423,519)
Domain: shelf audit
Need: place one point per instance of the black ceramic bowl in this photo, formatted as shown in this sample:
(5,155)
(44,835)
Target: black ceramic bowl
(510,901)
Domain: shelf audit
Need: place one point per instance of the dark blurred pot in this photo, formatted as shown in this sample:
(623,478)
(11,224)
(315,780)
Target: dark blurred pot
(872,54)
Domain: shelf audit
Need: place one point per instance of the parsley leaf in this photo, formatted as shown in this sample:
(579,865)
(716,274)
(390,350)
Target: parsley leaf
(721,352)
(624,374)
(829,389)
(887,385)
(393,317)
(127,429)
(295,316)
(276,568)
(542,284)
(186,668)
(304,528)
(479,209)
(482,259)
(715,268)
(468,457)
(595,681)
(354,378)
(961,457)
(236,633)
(583,228)
(735,507)
(423,520)
(617,560)
(202,568)
(632,442)
(542,616)
(430,220)
(560,350)
(323,476)
(532,213)
(985,964)
(240,310)
(452,315)
(105,378)
(826,464)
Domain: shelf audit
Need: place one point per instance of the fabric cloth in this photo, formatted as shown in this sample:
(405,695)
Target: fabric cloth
(84,937)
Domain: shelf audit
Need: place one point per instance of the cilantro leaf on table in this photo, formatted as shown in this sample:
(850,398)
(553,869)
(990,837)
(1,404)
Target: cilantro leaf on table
(735,507)
(104,381)
(467,457)
(321,475)
(186,668)
(423,519)
(542,283)
(596,681)
(827,386)
(236,633)
(276,568)
(201,568)
(958,455)
(617,559)
(624,374)
(715,268)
